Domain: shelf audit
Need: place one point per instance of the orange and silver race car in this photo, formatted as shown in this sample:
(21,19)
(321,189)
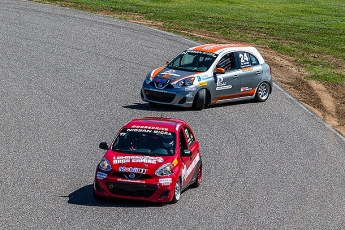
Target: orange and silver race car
(209,74)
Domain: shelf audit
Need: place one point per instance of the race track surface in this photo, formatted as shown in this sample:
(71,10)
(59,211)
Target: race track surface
(70,79)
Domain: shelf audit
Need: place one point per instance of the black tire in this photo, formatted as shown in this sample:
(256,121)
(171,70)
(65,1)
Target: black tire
(200,99)
(197,181)
(177,192)
(262,92)
(152,104)
(96,197)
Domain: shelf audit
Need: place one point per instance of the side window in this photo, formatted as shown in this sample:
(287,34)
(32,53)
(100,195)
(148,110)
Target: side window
(227,62)
(247,59)
(183,143)
(253,59)
(189,136)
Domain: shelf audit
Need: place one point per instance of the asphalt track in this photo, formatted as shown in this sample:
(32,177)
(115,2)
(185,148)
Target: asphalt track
(70,79)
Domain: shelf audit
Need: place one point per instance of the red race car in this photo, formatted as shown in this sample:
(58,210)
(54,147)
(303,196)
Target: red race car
(152,159)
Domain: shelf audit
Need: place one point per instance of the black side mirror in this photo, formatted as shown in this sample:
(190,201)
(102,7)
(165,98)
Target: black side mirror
(186,152)
(103,145)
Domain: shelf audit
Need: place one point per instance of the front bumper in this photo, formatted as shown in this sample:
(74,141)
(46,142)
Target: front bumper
(182,97)
(152,189)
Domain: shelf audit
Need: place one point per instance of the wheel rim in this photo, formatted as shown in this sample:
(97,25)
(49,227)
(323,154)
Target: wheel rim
(199,174)
(263,91)
(177,190)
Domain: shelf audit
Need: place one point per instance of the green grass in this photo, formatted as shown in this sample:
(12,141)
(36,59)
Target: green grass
(310,31)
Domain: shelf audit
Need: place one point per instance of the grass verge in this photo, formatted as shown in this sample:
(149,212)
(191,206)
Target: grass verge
(310,31)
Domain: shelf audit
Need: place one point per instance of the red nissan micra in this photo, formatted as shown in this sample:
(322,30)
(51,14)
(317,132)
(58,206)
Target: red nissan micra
(152,159)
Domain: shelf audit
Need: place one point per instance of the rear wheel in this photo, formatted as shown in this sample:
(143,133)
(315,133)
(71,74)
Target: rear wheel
(199,177)
(262,92)
(177,192)
(200,99)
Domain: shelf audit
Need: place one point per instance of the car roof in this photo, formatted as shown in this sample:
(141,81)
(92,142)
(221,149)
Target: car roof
(159,123)
(218,48)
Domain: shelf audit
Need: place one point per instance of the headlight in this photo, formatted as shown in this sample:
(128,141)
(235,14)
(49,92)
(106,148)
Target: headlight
(104,165)
(148,79)
(165,170)
(186,81)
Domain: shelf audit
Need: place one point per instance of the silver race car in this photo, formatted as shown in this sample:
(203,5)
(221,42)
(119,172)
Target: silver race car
(209,74)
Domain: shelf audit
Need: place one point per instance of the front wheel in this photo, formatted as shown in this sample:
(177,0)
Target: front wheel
(96,197)
(198,178)
(262,92)
(177,192)
(200,99)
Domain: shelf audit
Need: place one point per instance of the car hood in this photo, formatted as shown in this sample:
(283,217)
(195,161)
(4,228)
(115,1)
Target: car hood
(117,159)
(167,75)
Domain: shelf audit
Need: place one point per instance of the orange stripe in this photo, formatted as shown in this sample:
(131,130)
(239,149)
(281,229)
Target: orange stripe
(212,48)
(156,71)
(244,94)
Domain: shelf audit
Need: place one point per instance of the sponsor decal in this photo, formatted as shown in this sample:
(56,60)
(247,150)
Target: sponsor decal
(101,175)
(186,172)
(132,181)
(243,89)
(170,72)
(203,83)
(224,87)
(161,80)
(132,170)
(203,77)
(148,127)
(165,181)
(136,159)
(221,84)
(156,90)
(191,88)
(247,69)
(189,95)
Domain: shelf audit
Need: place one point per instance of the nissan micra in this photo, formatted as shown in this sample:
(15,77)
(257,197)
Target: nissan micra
(150,159)
(209,74)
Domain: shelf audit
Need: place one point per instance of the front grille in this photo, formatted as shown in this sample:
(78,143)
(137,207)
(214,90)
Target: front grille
(164,86)
(159,96)
(132,190)
(138,176)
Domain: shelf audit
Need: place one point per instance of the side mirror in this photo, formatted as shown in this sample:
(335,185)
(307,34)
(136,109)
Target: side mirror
(168,61)
(186,152)
(219,71)
(103,145)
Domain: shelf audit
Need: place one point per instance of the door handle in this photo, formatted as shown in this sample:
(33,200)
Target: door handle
(258,72)
(235,76)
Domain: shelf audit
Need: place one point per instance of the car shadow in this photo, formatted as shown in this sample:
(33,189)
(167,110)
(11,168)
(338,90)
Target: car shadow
(83,196)
(168,108)
(147,107)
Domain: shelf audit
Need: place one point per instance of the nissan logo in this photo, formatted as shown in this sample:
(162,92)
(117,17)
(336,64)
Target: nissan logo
(131,175)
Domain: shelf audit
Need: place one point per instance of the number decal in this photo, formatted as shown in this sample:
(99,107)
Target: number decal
(244,57)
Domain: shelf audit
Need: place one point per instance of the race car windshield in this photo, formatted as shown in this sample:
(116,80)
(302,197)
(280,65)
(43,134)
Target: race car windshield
(193,61)
(149,142)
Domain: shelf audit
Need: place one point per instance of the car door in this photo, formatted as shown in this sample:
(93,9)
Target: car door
(189,152)
(251,73)
(227,84)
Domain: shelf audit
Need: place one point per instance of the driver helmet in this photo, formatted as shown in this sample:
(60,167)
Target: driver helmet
(168,141)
